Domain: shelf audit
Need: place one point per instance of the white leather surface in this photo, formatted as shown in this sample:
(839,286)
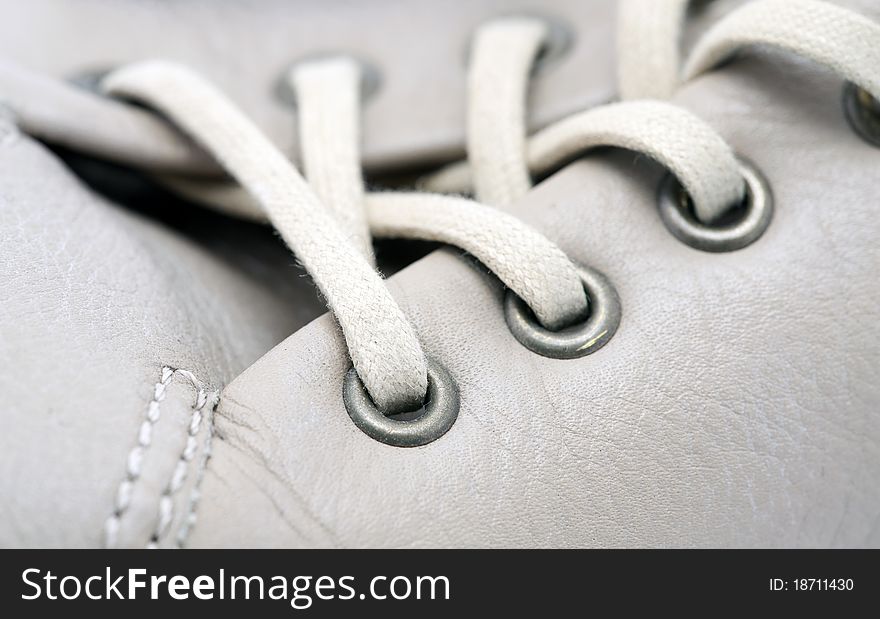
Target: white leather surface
(737,404)
(95,302)
(419,47)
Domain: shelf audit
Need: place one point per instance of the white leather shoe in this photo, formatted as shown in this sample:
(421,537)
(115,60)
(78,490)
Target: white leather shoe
(671,360)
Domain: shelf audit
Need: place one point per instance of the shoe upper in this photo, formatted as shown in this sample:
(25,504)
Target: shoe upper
(735,406)
(154,394)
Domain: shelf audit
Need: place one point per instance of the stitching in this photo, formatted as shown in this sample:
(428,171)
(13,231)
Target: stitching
(178,477)
(135,458)
(196,494)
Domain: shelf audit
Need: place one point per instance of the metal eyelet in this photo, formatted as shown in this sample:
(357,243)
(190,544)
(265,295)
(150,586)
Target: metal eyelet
(371,80)
(863,113)
(559,40)
(412,428)
(742,225)
(91,80)
(574,341)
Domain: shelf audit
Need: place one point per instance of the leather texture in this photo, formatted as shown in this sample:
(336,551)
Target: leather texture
(96,301)
(736,406)
(417,113)
(416,116)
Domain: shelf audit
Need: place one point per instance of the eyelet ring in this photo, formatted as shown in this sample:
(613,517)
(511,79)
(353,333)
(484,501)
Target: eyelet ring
(863,113)
(556,45)
(741,226)
(437,415)
(577,340)
(90,80)
(371,80)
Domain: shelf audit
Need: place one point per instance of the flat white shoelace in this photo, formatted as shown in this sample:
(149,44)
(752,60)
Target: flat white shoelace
(501,160)
(328,220)
(649,67)
(523,259)
(844,41)
(50,109)
(328,108)
(382,344)
(648,48)
(502,55)
(685,144)
(841,39)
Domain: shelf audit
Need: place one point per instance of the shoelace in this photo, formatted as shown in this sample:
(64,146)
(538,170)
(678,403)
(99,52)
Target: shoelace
(537,271)
(328,220)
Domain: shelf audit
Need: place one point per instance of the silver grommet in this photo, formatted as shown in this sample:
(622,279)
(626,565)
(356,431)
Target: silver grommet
(576,340)
(90,80)
(559,40)
(863,113)
(410,428)
(370,78)
(740,226)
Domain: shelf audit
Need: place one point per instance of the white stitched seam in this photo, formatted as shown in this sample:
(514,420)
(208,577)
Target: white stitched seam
(196,493)
(136,455)
(181,468)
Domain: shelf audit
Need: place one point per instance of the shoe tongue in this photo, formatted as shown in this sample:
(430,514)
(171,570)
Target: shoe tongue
(419,50)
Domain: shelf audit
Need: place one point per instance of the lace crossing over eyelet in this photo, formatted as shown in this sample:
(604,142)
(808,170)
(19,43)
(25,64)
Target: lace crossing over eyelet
(576,340)
(90,80)
(371,80)
(556,44)
(863,113)
(410,428)
(742,225)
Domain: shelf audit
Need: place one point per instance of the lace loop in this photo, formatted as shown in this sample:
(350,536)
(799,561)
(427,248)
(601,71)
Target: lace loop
(843,40)
(521,257)
(683,143)
(687,146)
(328,111)
(529,264)
(648,55)
(576,340)
(743,224)
(383,345)
(501,60)
(328,221)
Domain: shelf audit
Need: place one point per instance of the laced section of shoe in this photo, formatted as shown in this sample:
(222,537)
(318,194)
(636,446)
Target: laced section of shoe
(712,198)
(330,242)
